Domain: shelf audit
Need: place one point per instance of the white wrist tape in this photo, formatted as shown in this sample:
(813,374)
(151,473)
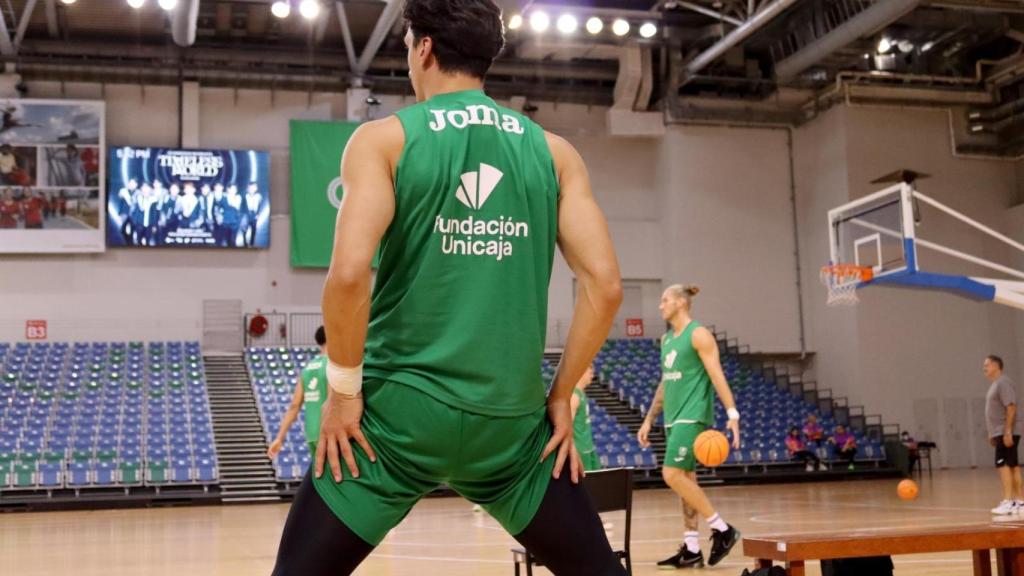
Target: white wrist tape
(733,413)
(346,381)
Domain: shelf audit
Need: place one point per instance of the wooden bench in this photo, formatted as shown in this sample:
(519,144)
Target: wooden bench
(1006,538)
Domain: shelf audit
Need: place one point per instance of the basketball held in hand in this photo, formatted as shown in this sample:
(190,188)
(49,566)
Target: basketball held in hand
(711,448)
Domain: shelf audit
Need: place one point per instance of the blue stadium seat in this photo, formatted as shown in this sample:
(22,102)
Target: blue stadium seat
(78,475)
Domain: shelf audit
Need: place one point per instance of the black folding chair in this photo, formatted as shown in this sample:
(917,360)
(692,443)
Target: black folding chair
(610,491)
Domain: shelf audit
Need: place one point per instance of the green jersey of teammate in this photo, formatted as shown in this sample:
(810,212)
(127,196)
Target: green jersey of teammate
(314,380)
(689,396)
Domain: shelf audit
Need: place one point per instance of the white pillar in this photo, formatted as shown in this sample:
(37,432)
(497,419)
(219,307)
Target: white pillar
(9,82)
(190,115)
(355,101)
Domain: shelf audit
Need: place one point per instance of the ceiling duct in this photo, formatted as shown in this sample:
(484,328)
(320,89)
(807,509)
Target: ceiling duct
(628,114)
(878,16)
(183,23)
(736,37)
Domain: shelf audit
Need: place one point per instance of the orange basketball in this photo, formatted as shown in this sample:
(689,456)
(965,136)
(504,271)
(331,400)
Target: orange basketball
(711,448)
(907,489)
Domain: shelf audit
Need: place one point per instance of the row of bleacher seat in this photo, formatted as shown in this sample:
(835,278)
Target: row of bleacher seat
(101,414)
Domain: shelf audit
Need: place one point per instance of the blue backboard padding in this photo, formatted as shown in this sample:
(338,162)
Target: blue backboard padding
(959,285)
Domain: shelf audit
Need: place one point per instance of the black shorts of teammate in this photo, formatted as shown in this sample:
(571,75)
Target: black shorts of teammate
(1006,456)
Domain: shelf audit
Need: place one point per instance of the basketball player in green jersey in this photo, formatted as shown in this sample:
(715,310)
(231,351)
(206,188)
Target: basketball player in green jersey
(433,378)
(691,371)
(583,436)
(311,390)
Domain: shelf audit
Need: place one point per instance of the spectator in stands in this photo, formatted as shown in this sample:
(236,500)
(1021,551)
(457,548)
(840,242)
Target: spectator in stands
(1003,433)
(911,445)
(10,210)
(582,434)
(845,443)
(798,450)
(311,390)
(32,209)
(813,431)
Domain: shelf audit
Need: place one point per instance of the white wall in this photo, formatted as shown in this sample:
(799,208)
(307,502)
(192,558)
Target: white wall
(912,356)
(728,227)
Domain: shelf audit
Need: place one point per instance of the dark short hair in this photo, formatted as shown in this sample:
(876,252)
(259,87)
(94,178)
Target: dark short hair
(996,359)
(794,429)
(321,336)
(467,34)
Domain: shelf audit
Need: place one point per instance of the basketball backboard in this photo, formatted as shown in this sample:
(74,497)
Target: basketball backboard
(874,240)
(876,231)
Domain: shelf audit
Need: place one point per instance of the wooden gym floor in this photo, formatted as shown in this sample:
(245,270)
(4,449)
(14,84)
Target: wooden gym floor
(444,536)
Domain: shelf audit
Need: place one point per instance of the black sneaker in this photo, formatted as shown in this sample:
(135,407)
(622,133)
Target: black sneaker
(722,543)
(683,559)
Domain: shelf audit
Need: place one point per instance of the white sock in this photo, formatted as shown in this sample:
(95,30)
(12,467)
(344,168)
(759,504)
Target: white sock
(717,523)
(691,539)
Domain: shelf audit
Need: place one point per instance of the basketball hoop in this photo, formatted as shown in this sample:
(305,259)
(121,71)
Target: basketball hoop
(842,281)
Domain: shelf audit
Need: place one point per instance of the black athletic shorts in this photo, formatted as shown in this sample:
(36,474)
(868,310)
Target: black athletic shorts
(1006,456)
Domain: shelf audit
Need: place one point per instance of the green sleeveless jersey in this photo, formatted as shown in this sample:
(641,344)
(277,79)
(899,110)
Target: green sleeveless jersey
(459,307)
(314,392)
(583,436)
(689,395)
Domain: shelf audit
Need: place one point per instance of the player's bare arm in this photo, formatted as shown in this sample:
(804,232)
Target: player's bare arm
(707,348)
(586,244)
(652,415)
(1011,418)
(288,419)
(367,176)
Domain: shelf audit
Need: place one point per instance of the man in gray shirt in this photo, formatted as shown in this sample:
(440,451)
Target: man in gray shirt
(1003,434)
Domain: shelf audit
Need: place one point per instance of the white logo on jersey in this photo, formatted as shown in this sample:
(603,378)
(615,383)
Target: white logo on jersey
(476,187)
(312,383)
(670,359)
(474,115)
(478,237)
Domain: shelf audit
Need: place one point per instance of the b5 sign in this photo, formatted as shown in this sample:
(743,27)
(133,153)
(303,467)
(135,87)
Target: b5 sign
(635,327)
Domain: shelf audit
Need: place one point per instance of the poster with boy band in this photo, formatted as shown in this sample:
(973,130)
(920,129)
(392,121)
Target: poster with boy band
(188,198)
(51,176)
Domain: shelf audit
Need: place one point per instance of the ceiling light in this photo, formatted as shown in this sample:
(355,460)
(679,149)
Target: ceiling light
(136,3)
(516,22)
(975,128)
(539,21)
(594,25)
(281,9)
(884,45)
(309,9)
(620,27)
(567,24)
(167,5)
(648,30)
(68,2)
(905,46)
(927,46)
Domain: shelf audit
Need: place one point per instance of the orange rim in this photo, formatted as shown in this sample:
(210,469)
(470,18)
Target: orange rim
(848,271)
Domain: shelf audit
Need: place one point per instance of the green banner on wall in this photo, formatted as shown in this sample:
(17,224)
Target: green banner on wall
(316,149)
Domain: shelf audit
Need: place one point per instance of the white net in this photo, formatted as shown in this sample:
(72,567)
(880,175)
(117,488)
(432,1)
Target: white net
(842,282)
